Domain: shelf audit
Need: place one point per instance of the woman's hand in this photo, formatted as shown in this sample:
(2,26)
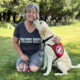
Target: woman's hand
(24,58)
(56,39)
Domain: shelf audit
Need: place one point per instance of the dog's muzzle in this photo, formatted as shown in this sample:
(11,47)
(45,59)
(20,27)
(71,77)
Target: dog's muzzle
(33,22)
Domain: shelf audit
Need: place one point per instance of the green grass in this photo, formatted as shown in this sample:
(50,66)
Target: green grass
(70,37)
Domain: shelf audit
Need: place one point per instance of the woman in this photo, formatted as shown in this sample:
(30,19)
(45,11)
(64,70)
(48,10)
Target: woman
(27,42)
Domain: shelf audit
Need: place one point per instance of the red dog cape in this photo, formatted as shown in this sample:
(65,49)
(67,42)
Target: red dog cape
(58,49)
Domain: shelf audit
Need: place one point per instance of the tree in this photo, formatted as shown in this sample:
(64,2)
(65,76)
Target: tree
(57,9)
(12,8)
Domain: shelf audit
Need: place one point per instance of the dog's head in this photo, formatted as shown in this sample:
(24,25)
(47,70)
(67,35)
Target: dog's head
(40,24)
(43,28)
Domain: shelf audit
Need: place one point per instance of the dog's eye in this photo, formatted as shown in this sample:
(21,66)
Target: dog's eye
(40,22)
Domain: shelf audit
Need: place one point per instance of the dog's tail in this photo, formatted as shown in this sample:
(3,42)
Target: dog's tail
(77,66)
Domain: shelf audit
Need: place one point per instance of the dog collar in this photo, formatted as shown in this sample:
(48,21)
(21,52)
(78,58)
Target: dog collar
(47,39)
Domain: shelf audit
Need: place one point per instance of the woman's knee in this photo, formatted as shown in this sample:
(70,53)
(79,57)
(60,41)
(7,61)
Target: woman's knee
(34,68)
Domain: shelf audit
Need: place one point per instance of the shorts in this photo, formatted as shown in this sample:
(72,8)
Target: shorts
(34,60)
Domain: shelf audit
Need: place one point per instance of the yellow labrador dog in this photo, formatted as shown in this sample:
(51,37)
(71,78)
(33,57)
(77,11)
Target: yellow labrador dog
(58,56)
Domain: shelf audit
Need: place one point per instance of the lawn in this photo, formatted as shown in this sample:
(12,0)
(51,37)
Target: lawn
(70,37)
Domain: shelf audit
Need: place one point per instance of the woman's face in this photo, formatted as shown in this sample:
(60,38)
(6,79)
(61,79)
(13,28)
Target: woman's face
(31,14)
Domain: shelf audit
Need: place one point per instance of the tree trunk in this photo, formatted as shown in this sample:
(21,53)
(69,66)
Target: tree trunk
(14,17)
(8,16)
(4,16)
(78,16)
(0,16)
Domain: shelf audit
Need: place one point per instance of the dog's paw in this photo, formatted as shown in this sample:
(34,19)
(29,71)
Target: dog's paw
(56,74)
(45,74)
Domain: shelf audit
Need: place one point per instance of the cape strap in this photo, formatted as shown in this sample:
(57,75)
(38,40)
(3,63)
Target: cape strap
(51,47)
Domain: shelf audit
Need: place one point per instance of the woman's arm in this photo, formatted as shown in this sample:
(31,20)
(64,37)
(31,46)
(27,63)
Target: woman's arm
(19,51)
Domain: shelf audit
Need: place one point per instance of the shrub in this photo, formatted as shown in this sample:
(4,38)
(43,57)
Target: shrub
(6,24)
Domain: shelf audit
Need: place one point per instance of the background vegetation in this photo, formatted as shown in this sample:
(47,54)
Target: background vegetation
(53,11)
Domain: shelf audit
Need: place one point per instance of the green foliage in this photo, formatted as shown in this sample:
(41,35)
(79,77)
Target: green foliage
(58,9)
(5,24)
(13,5)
